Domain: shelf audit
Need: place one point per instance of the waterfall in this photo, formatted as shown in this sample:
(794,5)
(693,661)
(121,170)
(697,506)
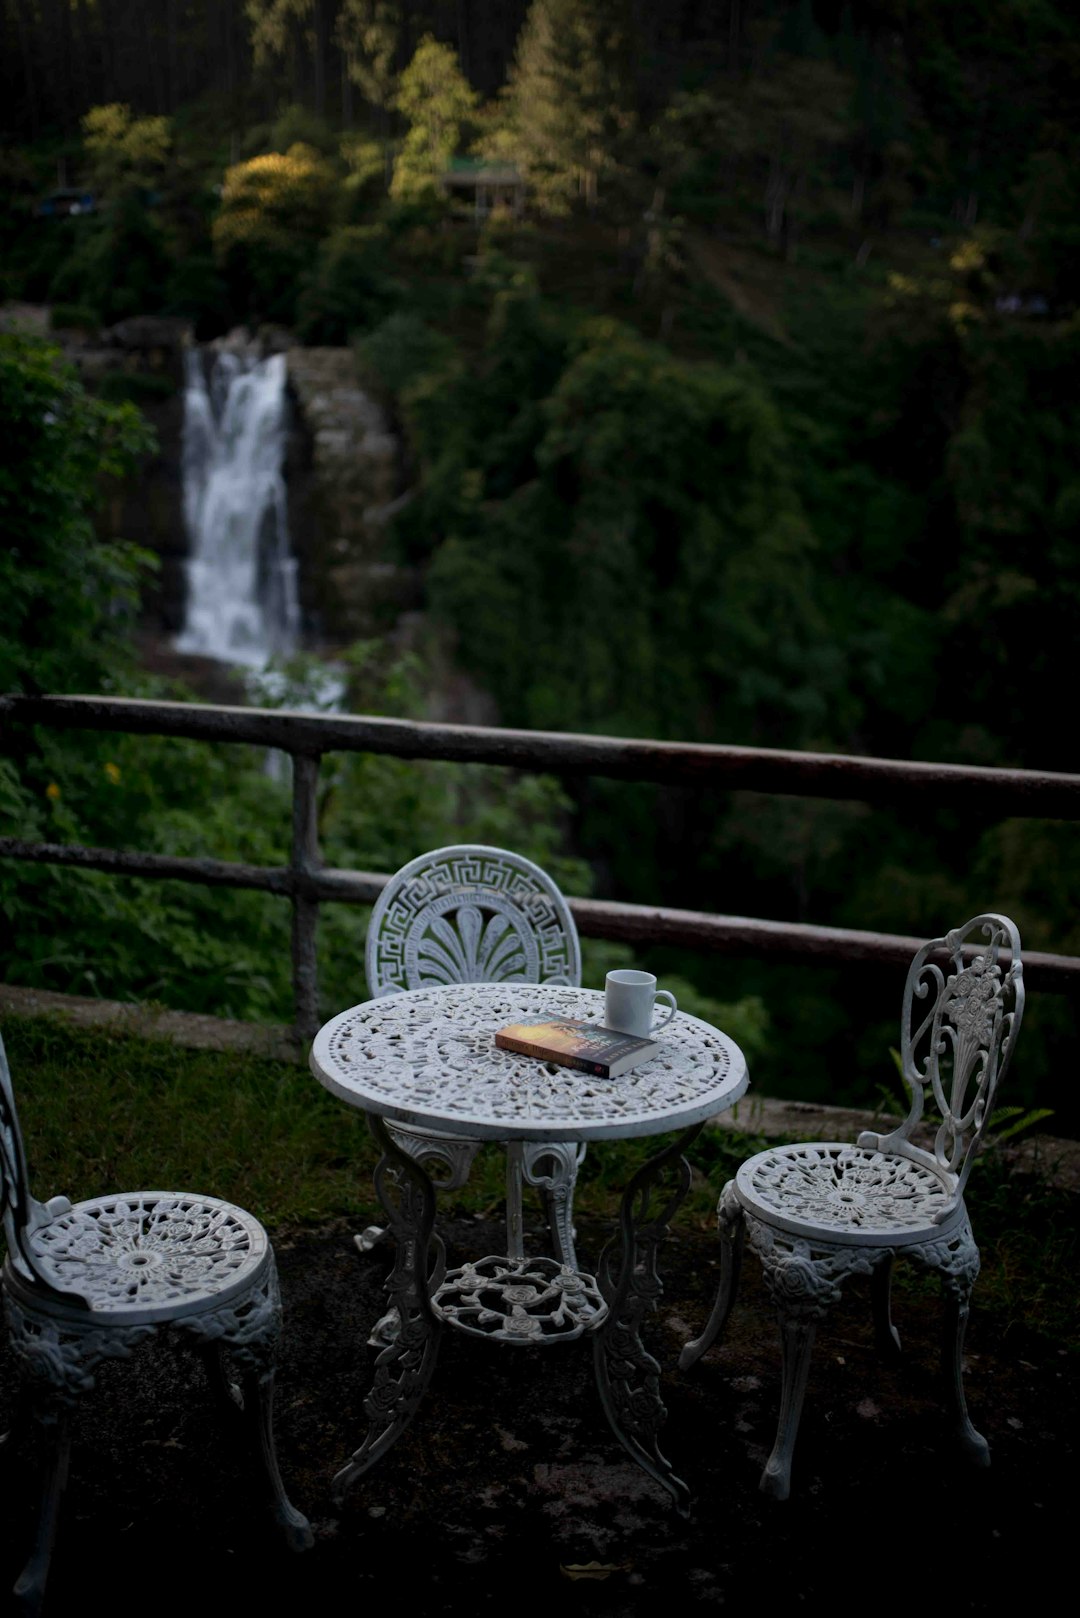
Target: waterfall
(242,602)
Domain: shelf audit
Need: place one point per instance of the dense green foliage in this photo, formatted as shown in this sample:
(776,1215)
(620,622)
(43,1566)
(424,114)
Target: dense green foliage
(757,428)
(663,492)
(68,599)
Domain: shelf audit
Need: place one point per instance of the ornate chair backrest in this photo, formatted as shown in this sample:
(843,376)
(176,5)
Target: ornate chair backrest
(20,1212)
(470,914)
(958,1030)
(15,1200)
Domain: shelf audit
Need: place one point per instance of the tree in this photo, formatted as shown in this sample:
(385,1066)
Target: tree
(274,209)
(124,151)
(765,136)
(368,32)
(568,110)
(292,29)
(68,595)
(439,103)
(796,112)
(654,496)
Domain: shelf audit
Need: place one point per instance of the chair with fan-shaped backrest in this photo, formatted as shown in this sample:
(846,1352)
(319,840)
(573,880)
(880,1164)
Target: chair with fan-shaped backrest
(474,914)
(818,1212)
(86,1283)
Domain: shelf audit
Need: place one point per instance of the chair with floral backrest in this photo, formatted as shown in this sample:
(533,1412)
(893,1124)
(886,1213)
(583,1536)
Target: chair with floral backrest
(86,1283)
(474,914)
(818,1212)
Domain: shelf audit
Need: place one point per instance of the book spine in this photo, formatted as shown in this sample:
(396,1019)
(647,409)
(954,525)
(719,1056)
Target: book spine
(527,1047)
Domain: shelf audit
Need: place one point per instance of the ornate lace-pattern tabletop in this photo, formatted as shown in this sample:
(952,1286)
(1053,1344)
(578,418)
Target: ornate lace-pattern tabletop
(429,1057)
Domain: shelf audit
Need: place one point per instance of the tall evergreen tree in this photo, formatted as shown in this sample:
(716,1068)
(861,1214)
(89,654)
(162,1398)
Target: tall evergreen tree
(569,105)
(368,32)
(439,103)
(297,30)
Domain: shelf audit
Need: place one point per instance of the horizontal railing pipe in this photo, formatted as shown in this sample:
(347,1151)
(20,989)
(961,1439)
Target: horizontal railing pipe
(595,918)
(999,793)
(156,867)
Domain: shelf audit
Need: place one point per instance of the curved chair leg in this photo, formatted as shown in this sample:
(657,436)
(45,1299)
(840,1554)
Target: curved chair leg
(56,1430)
(225,1392)
(803,1280)
(57,1359)
(957,1261)
(955,1327)
(258,1393)
(797,1334)
(885,1333)
(247,1332)
(732,1228)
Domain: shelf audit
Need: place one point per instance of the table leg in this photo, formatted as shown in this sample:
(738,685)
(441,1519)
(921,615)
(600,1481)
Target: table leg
(404,1367)
(628,1377)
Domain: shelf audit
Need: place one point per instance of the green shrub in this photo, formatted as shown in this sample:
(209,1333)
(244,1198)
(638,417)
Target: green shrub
(135,387)
(121,263)
(349,289)
(196,290)
(72,317)
(274,210)
(68,594)
(400,351)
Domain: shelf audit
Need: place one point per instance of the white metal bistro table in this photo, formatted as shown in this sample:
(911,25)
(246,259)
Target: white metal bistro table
(428,1057)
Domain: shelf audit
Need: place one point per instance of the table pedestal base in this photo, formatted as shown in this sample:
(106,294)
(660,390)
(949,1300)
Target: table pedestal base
(535,1301)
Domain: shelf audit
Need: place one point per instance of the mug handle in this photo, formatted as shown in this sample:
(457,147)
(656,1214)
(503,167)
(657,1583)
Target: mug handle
(665,994)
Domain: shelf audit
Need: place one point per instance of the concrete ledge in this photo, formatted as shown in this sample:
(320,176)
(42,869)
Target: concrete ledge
(1055,1159)
(154,1022)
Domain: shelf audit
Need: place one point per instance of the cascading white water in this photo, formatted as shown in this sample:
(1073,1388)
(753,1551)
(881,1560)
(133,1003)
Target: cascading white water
(242,602)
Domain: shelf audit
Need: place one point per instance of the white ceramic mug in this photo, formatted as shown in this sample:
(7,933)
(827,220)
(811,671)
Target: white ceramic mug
(628,1003)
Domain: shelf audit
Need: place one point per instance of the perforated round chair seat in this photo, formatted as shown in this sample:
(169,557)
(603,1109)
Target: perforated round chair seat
(148,1256)
(826,1190)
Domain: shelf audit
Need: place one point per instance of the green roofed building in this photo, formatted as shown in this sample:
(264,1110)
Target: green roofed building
(484,187)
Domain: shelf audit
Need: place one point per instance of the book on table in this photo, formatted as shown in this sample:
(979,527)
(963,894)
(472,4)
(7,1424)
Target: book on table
(604,1052)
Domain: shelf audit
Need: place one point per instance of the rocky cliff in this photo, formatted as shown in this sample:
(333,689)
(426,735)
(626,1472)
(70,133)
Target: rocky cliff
(344,473)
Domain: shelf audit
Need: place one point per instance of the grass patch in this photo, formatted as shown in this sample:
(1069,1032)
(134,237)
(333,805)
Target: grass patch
(103,1111)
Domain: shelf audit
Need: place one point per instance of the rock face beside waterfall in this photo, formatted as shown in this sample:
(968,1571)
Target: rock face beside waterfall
(344,482)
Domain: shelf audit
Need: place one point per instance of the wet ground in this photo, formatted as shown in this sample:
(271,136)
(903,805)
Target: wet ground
(510,1492)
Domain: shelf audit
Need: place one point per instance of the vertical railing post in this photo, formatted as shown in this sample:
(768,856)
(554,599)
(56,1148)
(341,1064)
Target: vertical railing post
(306,861)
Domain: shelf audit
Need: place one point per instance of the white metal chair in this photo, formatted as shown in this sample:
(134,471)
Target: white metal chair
(474,914)
(819,1212)
(87,1283)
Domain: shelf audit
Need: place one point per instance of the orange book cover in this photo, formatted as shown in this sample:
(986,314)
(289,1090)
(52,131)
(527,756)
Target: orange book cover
(604,1052)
